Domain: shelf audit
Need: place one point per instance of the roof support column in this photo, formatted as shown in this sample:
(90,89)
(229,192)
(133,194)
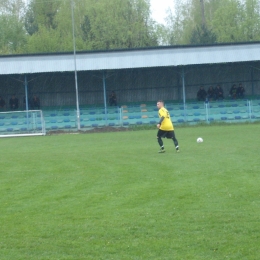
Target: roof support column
(252,81)
(183,92)
(26,99)
(26,93)
(104,93)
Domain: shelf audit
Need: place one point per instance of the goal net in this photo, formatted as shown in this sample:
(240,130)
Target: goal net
(22,123)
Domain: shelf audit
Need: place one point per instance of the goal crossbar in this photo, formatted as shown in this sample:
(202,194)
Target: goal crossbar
(22,123)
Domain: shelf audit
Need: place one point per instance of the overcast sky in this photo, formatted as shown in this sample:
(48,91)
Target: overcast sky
(159,8)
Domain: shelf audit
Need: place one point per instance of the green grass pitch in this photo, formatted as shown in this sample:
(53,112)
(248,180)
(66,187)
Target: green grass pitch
(112,196)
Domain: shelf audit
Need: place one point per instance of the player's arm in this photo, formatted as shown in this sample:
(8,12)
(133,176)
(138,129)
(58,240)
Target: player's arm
(160,122)
(161,119)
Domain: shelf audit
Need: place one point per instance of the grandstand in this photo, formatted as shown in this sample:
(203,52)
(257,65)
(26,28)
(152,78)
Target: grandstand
(147,113)
(139,77)
(135,114)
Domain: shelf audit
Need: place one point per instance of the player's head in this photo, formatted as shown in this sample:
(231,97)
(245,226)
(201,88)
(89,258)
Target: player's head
(160,104)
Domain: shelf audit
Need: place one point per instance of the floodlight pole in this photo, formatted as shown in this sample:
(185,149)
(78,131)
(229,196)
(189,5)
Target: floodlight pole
(26,98)
(252,81)
(104,90)
(183,87)
(26,93)
(183,92)
(75,64)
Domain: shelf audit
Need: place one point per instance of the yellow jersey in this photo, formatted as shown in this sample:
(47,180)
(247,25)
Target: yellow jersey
(166,124)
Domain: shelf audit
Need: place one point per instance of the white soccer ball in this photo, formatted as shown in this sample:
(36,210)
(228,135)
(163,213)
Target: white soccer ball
(199,140)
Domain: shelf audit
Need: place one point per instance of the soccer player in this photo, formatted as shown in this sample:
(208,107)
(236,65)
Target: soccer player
(165,127)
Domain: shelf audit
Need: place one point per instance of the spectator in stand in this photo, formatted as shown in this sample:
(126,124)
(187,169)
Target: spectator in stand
(14,103)
(2,103)
(219,94)
(112,99)
(211,93)
(201,94)
(35,102)
(233,92)
(240,91)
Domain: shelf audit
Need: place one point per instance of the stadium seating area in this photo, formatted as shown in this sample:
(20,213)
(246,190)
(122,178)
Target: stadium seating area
(134,114)
(195,112)
(89,117)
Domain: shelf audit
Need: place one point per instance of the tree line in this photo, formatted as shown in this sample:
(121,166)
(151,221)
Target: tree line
(39,26)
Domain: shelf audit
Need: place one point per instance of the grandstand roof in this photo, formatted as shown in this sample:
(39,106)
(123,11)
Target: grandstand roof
(130,58)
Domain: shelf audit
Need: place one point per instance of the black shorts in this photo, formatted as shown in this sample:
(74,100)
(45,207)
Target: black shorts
(165,134)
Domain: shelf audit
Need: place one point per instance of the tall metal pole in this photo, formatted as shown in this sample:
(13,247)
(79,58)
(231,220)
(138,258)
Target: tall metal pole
(183,92)
(26,93)
(75,64)
(252,82)
(183,87)
(105,96)
(26,100)
(203,13)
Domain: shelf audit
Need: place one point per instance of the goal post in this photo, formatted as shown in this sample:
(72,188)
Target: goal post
(22,123)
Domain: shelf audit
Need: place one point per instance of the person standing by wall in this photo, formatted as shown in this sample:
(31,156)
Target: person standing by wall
(112,99)
(14,102)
